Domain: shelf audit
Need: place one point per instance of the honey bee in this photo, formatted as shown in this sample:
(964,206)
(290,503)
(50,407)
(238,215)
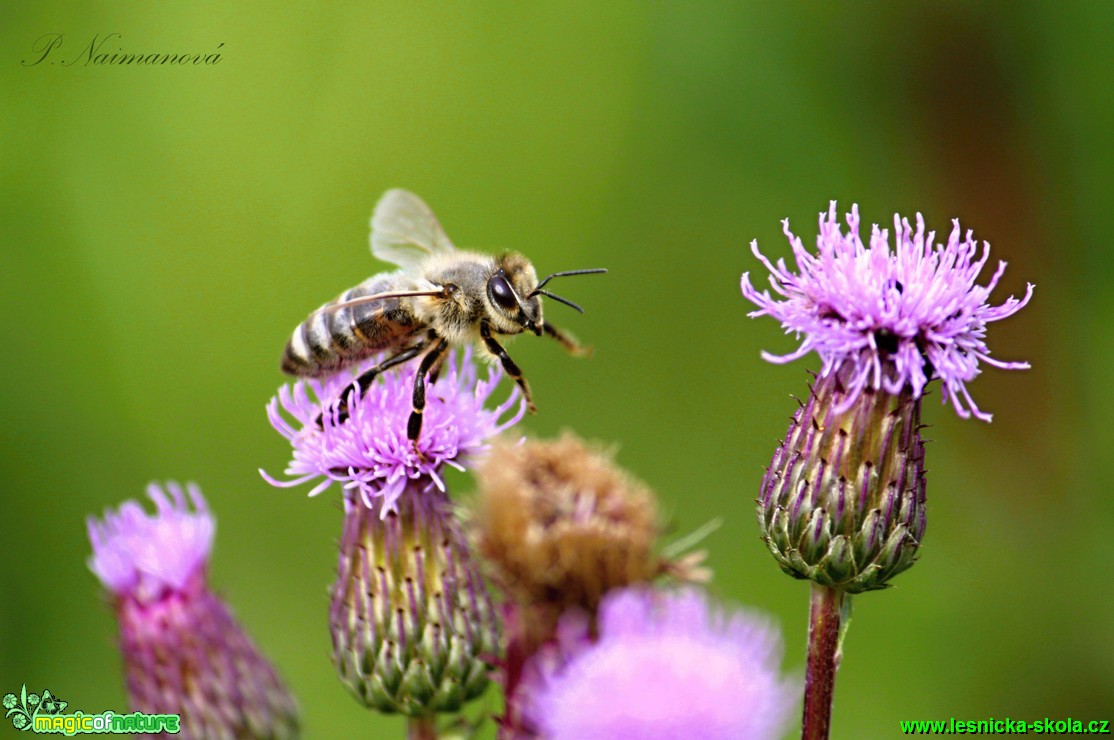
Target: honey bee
(440,297)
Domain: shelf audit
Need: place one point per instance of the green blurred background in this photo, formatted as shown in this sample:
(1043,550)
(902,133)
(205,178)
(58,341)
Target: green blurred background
(165,228)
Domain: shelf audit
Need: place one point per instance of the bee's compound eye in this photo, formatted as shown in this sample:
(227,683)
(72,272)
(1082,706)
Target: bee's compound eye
(501,294)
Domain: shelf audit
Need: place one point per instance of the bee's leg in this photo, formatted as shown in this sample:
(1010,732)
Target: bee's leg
(571,345)
(509,367)
(368,377)
(435,373)
(432,358)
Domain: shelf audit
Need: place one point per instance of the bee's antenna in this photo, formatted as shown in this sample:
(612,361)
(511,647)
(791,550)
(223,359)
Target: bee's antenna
(541,285)
(566,301)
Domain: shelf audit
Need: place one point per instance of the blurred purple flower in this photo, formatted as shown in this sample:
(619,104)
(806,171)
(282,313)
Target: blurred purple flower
(894,319)
(142,556)
(183,650)
(369,451)
(665,665)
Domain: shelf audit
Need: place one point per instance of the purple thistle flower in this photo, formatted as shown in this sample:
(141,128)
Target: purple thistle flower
(893,319)
(142,556)
(369,451)
(665,665)
(183,650)
(414,631)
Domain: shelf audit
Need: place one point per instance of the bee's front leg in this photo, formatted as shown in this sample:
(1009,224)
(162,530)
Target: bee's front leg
(432,358)
(567,341)
(508,364)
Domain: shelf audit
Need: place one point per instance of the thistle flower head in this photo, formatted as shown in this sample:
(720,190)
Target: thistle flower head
(184,652)
(369,451)
(895,318)
(144,555)
(561,524)
(665,665)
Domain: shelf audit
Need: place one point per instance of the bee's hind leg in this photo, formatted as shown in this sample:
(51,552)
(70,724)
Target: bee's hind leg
(567,341)
(509,367)
(364,381)
(432,359)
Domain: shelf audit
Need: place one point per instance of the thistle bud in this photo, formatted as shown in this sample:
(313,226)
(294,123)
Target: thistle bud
(413,627)
(843,502)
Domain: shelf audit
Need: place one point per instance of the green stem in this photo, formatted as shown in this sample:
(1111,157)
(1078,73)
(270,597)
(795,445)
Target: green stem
(421,728)
(825,638)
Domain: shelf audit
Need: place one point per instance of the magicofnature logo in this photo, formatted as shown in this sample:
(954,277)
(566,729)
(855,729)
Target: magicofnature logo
(45,714)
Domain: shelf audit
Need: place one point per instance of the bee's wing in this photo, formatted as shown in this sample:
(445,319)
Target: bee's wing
(405,232)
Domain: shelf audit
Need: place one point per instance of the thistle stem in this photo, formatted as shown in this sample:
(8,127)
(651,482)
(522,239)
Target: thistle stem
(824,640)
(527,629)
(421,728)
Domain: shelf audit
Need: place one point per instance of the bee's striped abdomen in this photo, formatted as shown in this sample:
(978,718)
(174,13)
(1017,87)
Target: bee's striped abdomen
(333,338)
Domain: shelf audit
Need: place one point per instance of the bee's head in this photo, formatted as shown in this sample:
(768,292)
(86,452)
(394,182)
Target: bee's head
(512,305)
(513,294)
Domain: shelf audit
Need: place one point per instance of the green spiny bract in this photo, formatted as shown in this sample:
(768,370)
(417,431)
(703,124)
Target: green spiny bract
(843,502)
(413,628)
